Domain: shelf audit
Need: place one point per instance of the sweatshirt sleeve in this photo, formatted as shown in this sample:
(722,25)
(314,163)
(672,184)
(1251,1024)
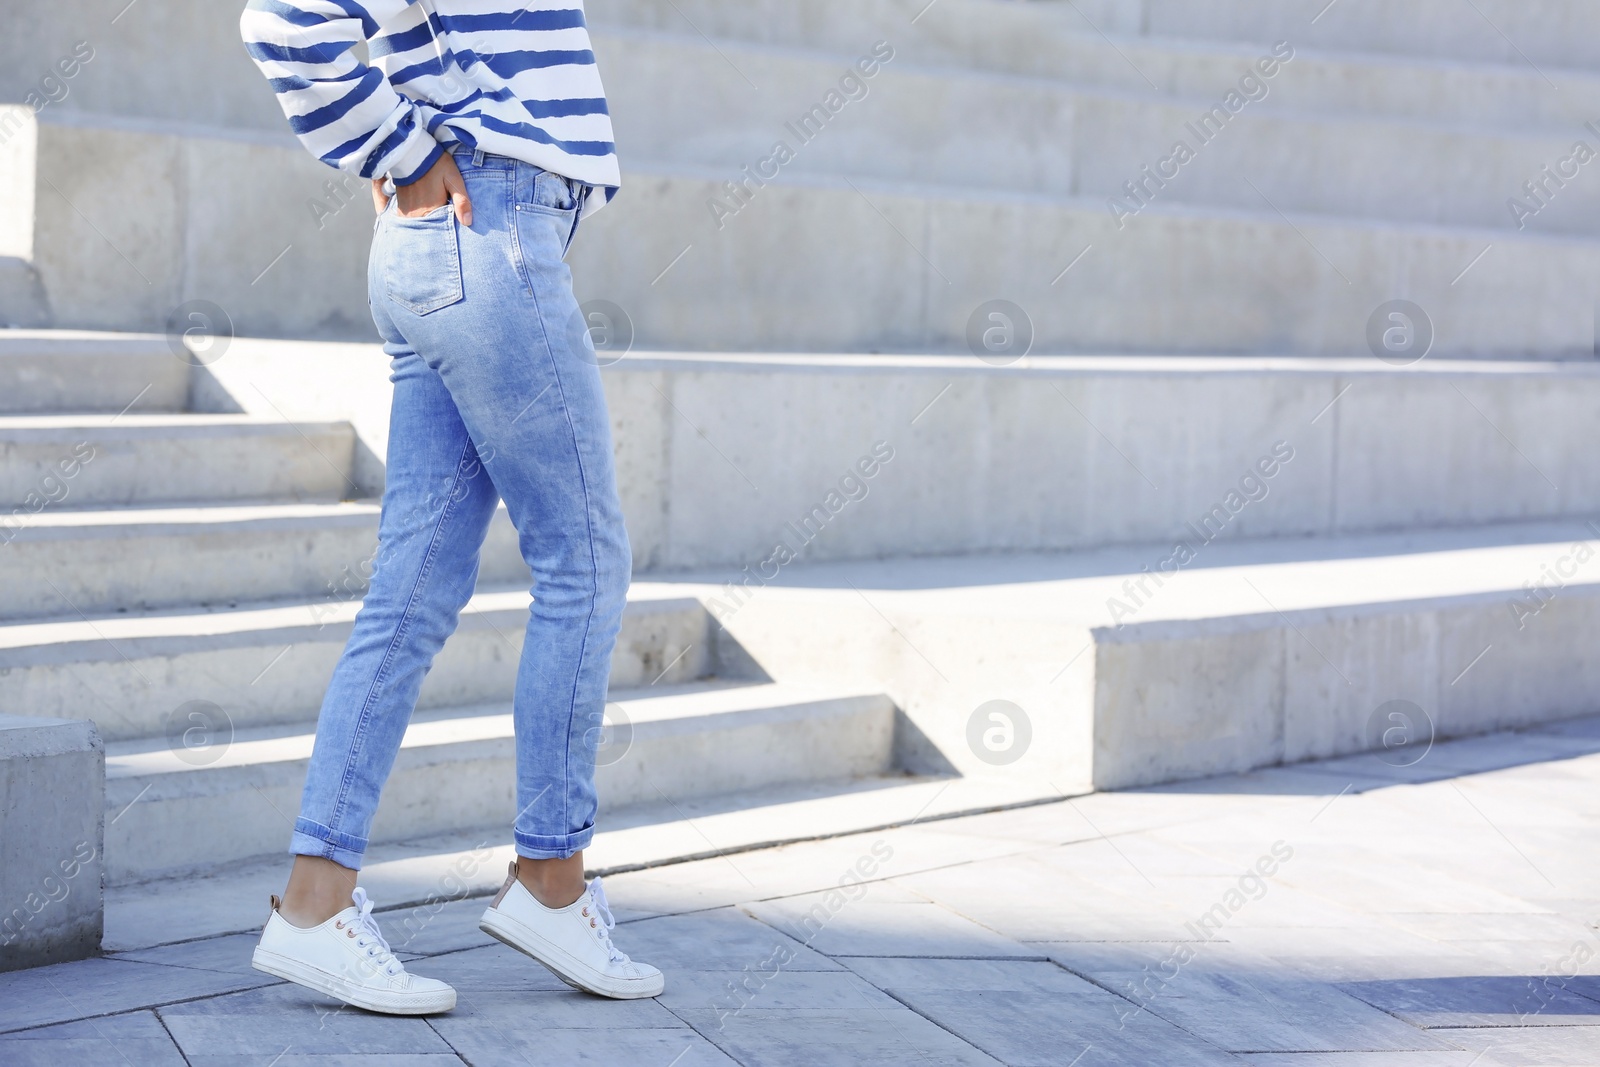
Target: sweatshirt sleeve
(344,111)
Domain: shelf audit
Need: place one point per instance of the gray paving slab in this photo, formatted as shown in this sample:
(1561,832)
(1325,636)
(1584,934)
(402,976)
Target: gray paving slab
(431,928)
(833,923)
(1360,1059)
(1028,1013)
(918,975)
(104,987)
(1119,957)
(289,1020)
(892,1036)
(230,955)
(566,1008)
(1547,1046)
(343,1059)
(494,968)
(529,1042)
(136,1038)
(1521,927)
(735,992)
(725,939)
(1472,1000)
(1029,1029)
(1245,1012)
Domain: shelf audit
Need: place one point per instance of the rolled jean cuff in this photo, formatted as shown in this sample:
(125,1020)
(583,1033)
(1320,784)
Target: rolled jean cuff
(551,848)
(313,839)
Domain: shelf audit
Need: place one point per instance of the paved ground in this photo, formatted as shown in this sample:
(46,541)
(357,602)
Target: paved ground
(1343,913)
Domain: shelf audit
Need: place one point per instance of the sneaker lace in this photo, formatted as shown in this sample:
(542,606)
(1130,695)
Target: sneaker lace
(608,921)
(369,937)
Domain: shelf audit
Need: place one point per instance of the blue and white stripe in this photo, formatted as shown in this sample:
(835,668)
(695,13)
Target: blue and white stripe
(514,79)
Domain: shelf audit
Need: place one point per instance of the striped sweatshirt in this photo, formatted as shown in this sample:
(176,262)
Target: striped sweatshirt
(514,79)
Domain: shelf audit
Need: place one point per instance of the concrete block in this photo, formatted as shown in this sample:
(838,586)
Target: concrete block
(720,458)
(52,827)
(269,665)
(1554,32)
(93,460)
(152,558)
(58,370)
(1304,684)
(457,770)
(1209,701)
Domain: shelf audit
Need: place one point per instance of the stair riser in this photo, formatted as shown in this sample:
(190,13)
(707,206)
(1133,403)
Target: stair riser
(1188,699)
(279,678)
(104,467)
(132,570)
(182,821)
(1554,33)
(55,378)
(1515,32)
(1356,169)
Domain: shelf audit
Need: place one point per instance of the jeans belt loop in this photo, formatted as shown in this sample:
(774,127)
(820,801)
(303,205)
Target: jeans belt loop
(477,157)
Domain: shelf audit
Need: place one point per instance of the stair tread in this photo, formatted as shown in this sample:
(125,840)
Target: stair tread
(24,642)
(149,423)
(1228,579)
(50,340)
(147,519)
(707,701)
(1122,364)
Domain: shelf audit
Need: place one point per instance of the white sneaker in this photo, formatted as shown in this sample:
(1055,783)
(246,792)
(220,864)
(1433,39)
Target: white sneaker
(574,941)
(347,958)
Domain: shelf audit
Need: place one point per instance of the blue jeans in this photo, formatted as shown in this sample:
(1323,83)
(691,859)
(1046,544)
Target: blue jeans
(496,395)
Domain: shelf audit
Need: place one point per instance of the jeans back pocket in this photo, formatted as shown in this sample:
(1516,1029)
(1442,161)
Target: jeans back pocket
(422,267)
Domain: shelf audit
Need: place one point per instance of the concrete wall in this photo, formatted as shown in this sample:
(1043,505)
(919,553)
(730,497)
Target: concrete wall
(52,829)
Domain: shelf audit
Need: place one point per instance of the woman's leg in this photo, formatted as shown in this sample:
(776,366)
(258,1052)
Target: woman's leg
(489,306)
(505,345)
(437,504)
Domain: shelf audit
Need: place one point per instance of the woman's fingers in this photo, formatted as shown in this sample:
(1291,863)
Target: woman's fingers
(455,188)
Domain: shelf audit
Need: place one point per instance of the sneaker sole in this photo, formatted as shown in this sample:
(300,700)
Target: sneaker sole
(561,964)
(340,989)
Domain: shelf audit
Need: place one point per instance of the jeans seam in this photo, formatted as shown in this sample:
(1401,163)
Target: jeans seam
(365,717)
(594,564)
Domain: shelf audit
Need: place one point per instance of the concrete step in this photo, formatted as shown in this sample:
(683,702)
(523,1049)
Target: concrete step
(1107,43)
(721,457)
(1079,46)
(138,675)
(411,881)
(1550,33)
(87,461)
(61,562)
(1547,33)
(872,263)
(52,371)
(1144,664)
(456,769)
(924,124)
